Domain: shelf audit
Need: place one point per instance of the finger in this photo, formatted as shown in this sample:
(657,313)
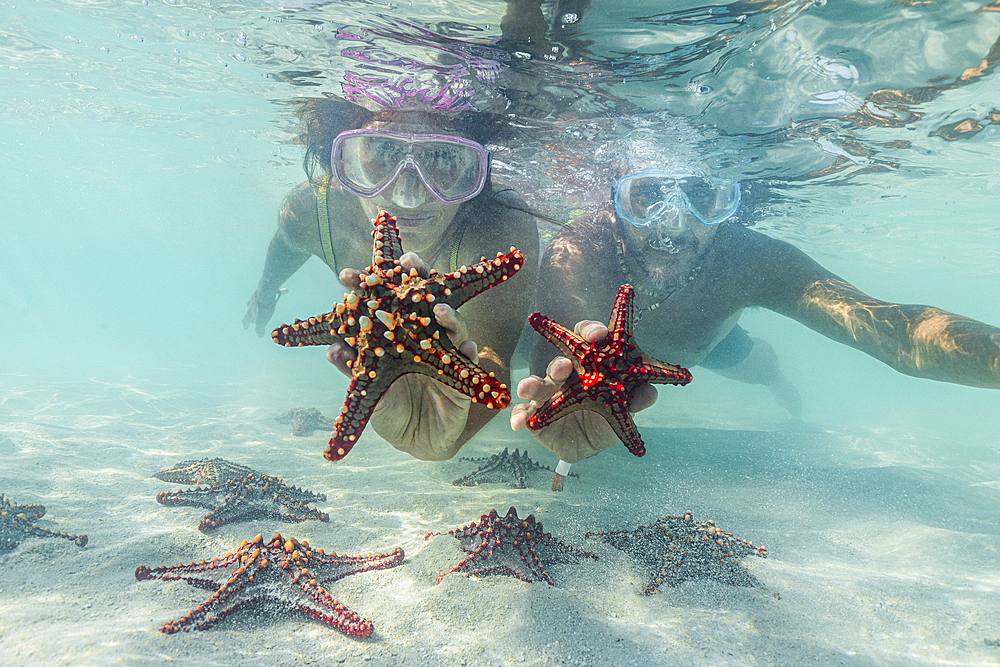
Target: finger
(559,370)
(591,331)
(519,416)
(470,351)
(453,322)
(341,356)
(529,388)
(351,279)
(260,328)
(644,396)
(411,260)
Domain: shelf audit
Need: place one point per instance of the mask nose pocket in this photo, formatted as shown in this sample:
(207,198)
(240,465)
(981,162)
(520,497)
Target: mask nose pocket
(408,191)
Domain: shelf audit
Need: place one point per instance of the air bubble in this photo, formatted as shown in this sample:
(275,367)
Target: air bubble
(241,39)
(570,17)
(241,57)
(703,89)
(137,38)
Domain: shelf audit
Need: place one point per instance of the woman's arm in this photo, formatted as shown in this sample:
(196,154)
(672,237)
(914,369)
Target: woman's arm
(292,244)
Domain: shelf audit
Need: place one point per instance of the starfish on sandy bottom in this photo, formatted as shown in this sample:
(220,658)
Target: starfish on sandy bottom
(280,573)
(502,468)
(392,327)
(606,374)
(511,546)
(236,493)
(19,522)
(673,549)
(305,420)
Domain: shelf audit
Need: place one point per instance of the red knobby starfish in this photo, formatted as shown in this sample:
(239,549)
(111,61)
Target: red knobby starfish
(393,329)
(282,572)
(606,373)
(507,545)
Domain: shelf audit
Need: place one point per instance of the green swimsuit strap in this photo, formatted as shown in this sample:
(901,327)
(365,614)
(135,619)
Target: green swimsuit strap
(323,220)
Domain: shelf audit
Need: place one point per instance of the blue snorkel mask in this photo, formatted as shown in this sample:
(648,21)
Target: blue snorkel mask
(663,198)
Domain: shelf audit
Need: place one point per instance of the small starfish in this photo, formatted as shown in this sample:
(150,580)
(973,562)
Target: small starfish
(237,493)
(510,546)
(673,549)
(282,572)
(394,331)
(606,374)
(18,523)
(305,421)
(502,468)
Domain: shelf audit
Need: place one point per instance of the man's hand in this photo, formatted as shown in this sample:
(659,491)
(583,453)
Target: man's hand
(581,434)
(417,415)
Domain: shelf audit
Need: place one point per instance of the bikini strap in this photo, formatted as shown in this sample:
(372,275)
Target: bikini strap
(323,220)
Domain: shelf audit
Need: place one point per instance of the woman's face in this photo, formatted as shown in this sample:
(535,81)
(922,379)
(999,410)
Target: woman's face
(422,217)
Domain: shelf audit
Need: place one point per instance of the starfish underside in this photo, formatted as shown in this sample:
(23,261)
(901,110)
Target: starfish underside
(507,545)
(237,493)
(673,549)
(282,572)
(392,327)
(18,523)
(606,374)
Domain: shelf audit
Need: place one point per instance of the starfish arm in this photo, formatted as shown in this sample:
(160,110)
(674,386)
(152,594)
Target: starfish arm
(654,371)
(291,510)
(621,312)
(571,345)
(17,523)
(566,400)
(321,330)
(329,568)
(203,471)
(468,281)
(207,497)
(297,495)
(449,366)
(388,246)
(362,397)
(210,575)
(621,422)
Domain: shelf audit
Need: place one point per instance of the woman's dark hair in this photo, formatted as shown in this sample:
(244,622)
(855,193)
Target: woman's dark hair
(324,118)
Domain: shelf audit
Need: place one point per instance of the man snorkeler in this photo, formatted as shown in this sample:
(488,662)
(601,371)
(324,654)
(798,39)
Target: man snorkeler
(430,172)
(669,231)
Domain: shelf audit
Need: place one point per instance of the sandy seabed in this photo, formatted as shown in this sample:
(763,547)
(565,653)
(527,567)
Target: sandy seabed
(880,552)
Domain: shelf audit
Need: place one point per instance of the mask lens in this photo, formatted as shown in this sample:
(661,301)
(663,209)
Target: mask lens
(643,197)
(366,162)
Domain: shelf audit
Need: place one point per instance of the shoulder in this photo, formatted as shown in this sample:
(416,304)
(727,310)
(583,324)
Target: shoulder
(764,269)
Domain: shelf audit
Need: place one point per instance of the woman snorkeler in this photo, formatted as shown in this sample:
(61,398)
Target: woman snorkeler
(431,172)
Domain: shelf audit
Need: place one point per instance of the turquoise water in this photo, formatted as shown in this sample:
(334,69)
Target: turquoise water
(145,148)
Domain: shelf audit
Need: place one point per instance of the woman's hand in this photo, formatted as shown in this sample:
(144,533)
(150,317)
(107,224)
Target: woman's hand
(259,311)
(580,434)
(417,415)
